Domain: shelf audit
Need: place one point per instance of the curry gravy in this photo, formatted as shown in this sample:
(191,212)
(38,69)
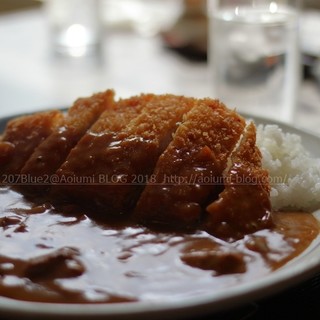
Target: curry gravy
(50,256)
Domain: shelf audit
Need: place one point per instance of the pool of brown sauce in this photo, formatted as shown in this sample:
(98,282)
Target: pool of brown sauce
(65,257)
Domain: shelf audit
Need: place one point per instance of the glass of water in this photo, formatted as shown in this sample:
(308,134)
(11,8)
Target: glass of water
(254,56)
(75,26)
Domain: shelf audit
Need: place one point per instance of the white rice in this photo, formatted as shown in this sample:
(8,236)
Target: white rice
(294,173)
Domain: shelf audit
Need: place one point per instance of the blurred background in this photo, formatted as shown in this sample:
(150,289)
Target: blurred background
(54,51)
(47,59)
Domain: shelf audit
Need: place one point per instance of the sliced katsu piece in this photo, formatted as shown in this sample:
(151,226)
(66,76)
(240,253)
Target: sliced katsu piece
(22,135)
(244,205)
(124,160)
(86,162)
(53,151)
(188,173)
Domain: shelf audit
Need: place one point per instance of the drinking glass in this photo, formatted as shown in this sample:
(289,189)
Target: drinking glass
(75,26)
(254,56)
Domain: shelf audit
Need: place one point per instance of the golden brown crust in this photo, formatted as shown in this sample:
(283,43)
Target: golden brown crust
(115,119)
(52,152)
(244,205)
(122,159)
(22,135)
(87,160)
(187,173)
(197,165)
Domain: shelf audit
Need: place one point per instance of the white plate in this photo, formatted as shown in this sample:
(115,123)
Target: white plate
(299,269)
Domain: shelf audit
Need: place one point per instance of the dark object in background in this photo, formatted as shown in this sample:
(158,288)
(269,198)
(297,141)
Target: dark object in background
(188,36)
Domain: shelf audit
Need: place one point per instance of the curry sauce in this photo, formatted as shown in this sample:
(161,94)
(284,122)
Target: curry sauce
(63,255)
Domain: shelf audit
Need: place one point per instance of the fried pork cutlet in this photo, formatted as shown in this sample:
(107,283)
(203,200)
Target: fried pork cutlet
(52,152)
(22,135)
(158,160)
(124,160)
(244,205)
(85,165)
(187,173)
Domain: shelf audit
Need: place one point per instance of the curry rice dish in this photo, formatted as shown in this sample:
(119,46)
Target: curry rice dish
(169,167)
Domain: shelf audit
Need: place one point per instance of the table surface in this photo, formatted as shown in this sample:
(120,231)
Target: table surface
(33,78)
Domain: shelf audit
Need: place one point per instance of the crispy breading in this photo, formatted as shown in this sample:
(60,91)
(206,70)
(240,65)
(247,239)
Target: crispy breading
(22,135)
(158,160)
(53,151)
(244,205)
(122,160)
(87,159)
(187,173)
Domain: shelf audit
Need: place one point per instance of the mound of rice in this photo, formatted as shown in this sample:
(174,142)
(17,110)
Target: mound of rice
(294,173)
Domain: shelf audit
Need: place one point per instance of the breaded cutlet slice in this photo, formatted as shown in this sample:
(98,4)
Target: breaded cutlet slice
(124,163)
(188,172)
(22,135)
(86,163)
(53,151)
(244,205)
